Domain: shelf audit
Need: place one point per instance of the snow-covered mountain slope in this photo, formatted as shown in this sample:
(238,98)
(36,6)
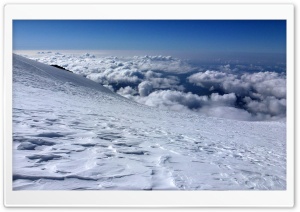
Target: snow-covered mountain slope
(72,133)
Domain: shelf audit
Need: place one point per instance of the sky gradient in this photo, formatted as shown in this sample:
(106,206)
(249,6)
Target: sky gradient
(247,36)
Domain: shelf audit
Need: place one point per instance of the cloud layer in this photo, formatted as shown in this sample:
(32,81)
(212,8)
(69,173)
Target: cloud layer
(263,93)
(165,82)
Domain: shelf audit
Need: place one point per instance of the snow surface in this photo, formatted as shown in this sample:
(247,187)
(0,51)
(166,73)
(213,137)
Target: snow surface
(70,133)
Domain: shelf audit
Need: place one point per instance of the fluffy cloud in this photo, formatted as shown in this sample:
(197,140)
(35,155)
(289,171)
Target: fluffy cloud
(127,92)
(109,77)
(216,105)
(145,88)
(163,63)
(263,83)
(167,82)
(270,105)
(263,93)
(151,74)
(226,99)
(173,99)
(109,87)
(221,80)
(267,83)
(209,78)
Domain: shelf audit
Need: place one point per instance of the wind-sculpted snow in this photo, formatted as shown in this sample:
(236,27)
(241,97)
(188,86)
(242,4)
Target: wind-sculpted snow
(70,133)
(260,91)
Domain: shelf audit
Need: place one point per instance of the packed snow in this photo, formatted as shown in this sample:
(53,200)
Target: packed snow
(71,133)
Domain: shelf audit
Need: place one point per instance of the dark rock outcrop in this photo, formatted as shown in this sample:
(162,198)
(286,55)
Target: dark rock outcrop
(57,66)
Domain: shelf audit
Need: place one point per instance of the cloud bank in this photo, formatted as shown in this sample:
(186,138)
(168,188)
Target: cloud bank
(241,92)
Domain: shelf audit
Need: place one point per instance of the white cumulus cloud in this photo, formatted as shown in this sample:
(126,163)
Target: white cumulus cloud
(145,88)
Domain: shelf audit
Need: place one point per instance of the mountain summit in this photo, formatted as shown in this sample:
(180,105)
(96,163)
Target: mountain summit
(70,133)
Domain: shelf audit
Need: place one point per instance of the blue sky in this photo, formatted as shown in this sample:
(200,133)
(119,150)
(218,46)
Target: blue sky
(201,36)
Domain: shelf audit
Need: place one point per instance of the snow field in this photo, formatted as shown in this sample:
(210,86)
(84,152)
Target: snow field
(70,133)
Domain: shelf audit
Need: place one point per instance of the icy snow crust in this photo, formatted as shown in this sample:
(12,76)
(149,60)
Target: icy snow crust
(70,133)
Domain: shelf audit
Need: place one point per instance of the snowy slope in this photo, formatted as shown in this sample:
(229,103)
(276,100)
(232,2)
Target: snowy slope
(72,133)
